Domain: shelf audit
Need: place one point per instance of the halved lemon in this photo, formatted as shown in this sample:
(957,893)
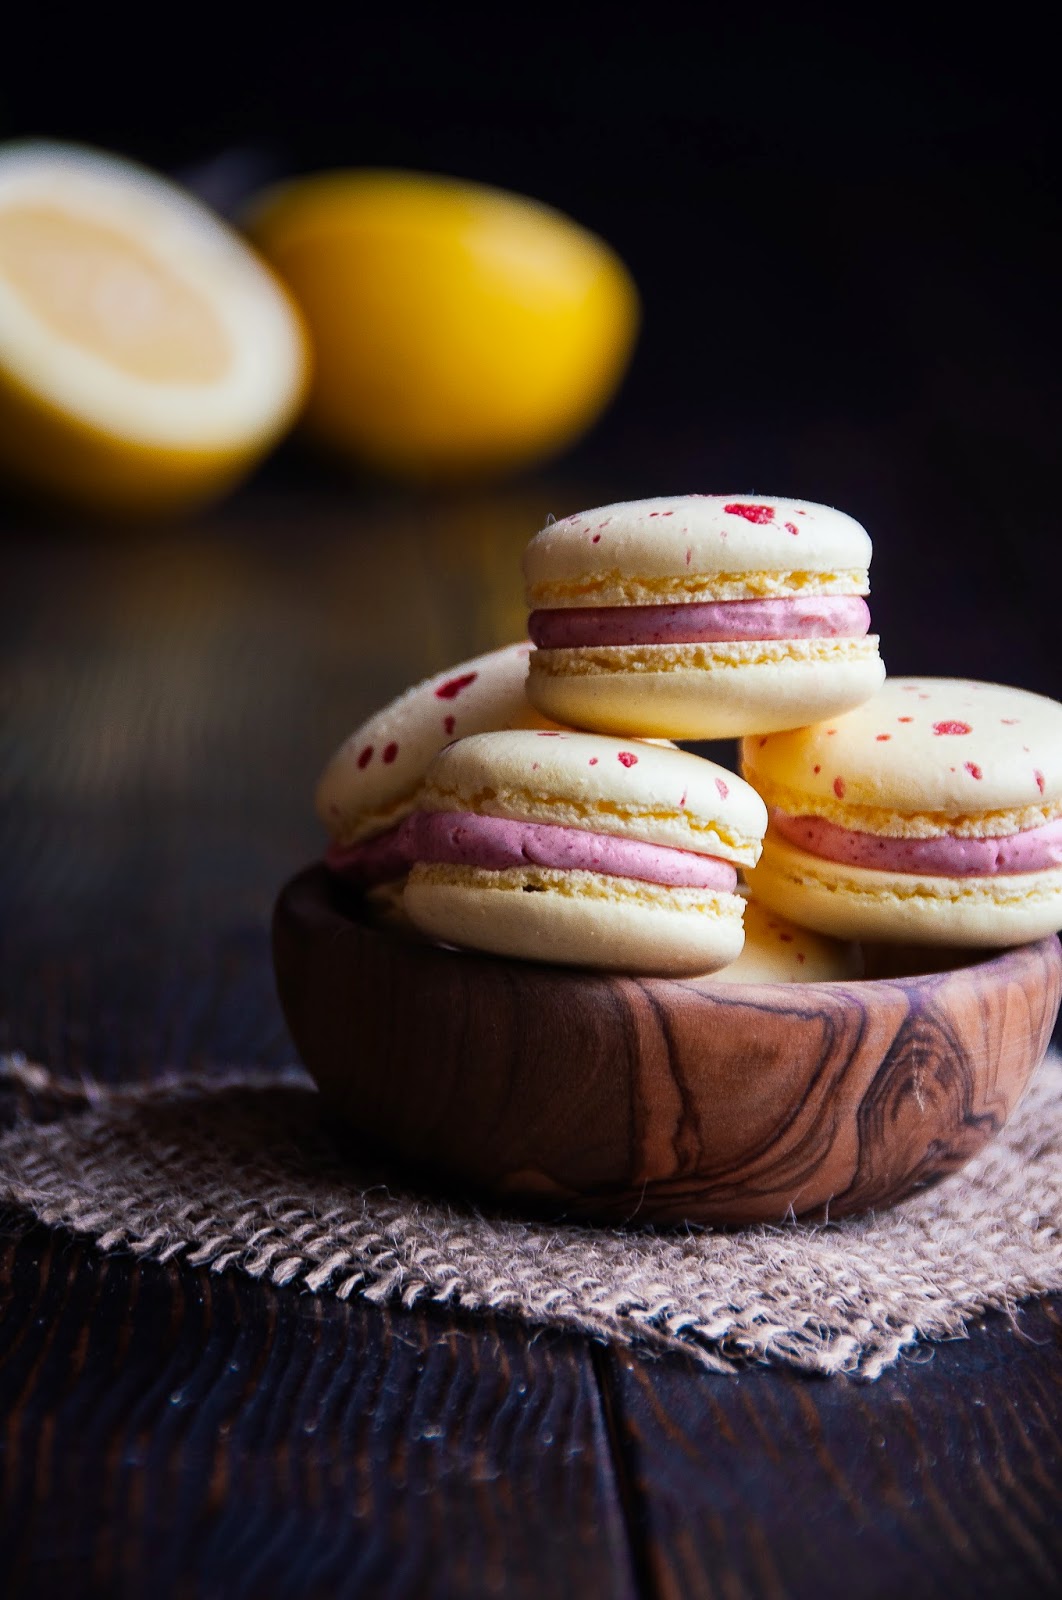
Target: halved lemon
(147,357)
(457,329)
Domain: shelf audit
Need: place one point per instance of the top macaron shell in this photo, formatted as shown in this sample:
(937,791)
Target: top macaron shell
(696,547)
(925,756)
(371,782)
(631,788)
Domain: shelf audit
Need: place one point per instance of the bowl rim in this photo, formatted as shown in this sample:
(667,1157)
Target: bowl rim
(994,968)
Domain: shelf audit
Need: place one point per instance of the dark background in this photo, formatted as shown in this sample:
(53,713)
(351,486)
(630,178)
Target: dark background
(847,241)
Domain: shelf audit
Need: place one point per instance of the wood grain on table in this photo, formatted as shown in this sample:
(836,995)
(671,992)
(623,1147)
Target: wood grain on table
(168,699)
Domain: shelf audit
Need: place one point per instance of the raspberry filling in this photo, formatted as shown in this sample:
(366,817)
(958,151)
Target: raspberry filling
(823,616)
(1035,850)
(468,839)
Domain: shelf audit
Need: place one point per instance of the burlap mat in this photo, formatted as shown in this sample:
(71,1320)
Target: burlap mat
(243,1173)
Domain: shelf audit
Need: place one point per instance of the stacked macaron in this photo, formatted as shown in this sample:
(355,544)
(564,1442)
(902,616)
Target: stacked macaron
(701,617)
(920,810)
(932,814)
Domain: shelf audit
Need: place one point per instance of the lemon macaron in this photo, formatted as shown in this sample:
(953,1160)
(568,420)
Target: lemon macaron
(931,814)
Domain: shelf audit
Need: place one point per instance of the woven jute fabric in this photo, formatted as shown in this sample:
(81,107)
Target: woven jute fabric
(243,1173)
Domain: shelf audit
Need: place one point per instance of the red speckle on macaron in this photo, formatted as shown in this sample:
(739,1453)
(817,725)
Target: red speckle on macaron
(627,758)
(390,751)
(596,539)
(905,719)
(951,727)
(682,802)
(830,732)
(786,938)
(800,957)
(1010,722)
(881,737)
(449,724)
(973,769)
(838,788)
(723,787)
(763,741)
(365,757)
(654,513)
(548,733)
(792,528)
(817,771)
(751,513)
(1038,775)
(689,557)
(593,761)
(453,686)
(534,766)
(667,513)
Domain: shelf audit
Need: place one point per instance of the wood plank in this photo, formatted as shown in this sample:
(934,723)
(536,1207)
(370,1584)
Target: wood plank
(169,1432)
(941,1478)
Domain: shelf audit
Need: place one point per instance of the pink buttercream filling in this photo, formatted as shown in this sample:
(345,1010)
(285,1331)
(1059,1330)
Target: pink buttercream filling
(822,616)
(1034,850)
(468,839)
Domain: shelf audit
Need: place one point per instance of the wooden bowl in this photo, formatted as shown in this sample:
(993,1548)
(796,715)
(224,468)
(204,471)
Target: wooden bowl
(649,1099)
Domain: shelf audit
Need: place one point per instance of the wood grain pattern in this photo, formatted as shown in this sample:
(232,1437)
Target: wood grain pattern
(169,1433)
(671,1100)
(939,1479)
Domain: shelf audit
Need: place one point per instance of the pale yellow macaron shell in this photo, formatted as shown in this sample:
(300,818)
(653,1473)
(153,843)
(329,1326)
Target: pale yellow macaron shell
(372,780)
(924,757)
(779,951)
(693,549)
(623,787)
(628,787)
(928,757)
(690,547)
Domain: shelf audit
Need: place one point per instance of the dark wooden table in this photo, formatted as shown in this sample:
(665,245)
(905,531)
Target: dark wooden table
(167,700)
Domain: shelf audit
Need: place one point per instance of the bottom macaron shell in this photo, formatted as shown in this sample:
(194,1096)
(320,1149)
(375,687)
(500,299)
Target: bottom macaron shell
(578,919)
(857,903)
(705,691)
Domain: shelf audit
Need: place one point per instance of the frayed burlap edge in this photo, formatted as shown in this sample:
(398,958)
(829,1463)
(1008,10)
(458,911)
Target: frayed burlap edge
(242,1172)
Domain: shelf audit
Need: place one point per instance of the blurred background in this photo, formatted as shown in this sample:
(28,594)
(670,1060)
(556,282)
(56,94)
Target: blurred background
(846,246)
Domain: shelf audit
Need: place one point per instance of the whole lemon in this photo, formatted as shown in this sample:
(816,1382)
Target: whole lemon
(457,329)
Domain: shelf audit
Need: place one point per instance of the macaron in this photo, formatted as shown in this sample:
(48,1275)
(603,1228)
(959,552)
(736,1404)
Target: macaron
(583,850)
(372,781)
(932,815)
(779,951)
(700,616)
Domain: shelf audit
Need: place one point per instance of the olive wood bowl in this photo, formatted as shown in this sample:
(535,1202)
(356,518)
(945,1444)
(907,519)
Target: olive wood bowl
(650,1099)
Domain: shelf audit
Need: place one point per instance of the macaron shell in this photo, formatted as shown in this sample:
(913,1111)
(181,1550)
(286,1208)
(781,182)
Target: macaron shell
(372,779)
(779,951)
(705,691)
(679,536)
(921,751)
(856,903)
(629,787)
(577,919)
